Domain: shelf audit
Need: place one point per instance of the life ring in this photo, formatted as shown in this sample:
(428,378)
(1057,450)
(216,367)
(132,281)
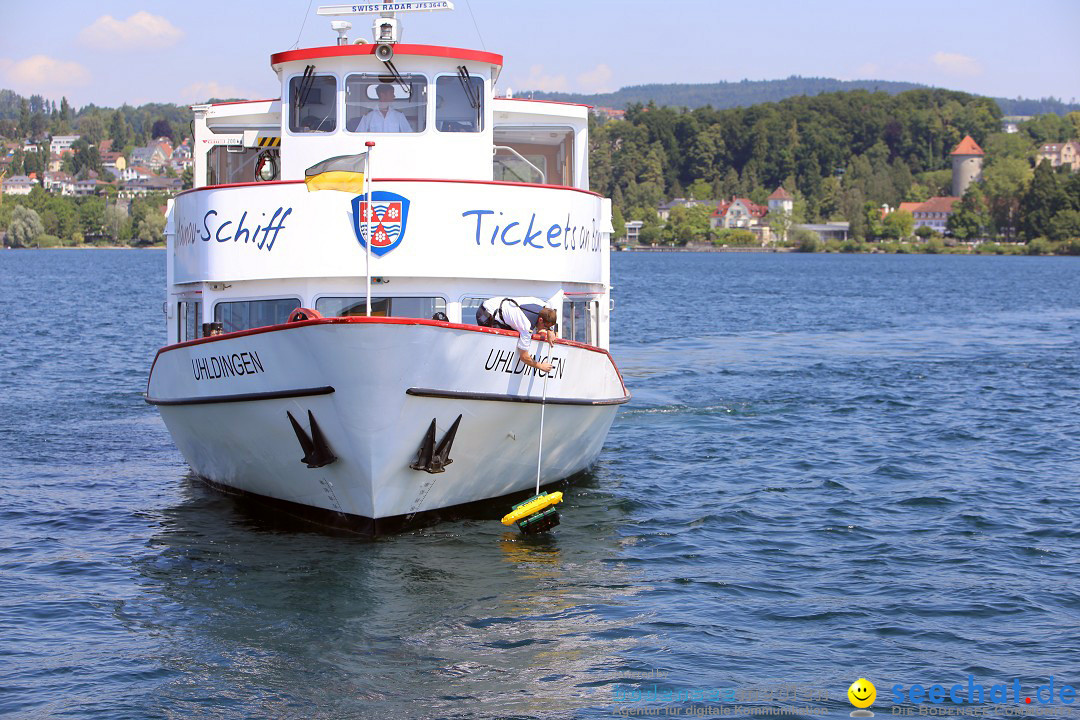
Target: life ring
(302,314)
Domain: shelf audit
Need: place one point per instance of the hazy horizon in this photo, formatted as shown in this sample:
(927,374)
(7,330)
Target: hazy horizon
(115,51)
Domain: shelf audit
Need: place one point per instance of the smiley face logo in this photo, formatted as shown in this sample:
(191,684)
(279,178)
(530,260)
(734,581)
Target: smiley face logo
(862,694)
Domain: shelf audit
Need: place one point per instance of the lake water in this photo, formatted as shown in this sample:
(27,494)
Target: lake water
(832,467)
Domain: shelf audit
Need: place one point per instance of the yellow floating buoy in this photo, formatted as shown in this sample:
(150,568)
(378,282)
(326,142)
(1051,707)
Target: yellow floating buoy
(531,507)
(537,514)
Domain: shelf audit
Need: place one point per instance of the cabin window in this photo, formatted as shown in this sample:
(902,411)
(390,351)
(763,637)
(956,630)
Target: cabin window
(581,321)
(459,103)
(385,104)
(534,154)
(249,314)
(469,306)
(231,164)
(410,307)
(313,104)
(188,317)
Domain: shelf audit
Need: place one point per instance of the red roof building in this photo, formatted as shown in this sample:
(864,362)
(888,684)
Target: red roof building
(1067,153)
(967,146)
(781,201)
(737,213)
(934,213)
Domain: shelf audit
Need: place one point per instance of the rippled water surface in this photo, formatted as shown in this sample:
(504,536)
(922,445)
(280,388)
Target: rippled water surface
(832,467)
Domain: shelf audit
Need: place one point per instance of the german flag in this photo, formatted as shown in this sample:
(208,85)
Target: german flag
(344,172)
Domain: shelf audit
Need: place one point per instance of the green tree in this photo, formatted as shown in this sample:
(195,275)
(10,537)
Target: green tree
(917,192)
(652,229)
(1006,145)
(832,195)
(728,187)
(898,225)
(84,156)
(1065,225)
(700,189)
(924,232)
(25,227)
(39,123)
(1004,182)
(92,216)
(24,118)
(687,224)
(116,223)
(66,114)
(151,229)
(735,236)
(1044,199)
(937,182)
(92,127)
(34,163)
(162,128)
(971,216)
(119,131)
(872,215)
(805,240)
(618,224)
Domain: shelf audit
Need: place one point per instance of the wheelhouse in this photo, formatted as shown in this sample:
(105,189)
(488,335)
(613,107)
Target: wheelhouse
(444,124)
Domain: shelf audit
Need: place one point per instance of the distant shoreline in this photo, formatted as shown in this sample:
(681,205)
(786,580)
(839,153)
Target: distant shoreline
(90,247)
(1003,251)
(706,248)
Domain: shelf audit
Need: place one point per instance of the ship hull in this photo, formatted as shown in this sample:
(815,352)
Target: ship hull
(374,386)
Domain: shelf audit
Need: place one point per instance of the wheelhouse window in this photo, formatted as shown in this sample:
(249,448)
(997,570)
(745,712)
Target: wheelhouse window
(249,314)
(313,107)
(385,104)
(535,154)
(410,307)
(459,103)
(188,317)
(581,321)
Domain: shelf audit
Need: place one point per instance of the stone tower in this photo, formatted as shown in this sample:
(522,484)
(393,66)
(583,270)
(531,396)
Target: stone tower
(966,165)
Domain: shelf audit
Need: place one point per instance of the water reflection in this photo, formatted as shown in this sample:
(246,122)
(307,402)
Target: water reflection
(462,610)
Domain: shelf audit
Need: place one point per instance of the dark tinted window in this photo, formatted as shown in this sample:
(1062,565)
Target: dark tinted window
(249,314)
(313,104)
(189,316)
(459,104)
(412,307)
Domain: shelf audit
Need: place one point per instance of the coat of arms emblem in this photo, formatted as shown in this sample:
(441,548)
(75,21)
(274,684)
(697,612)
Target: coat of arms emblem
(385,215)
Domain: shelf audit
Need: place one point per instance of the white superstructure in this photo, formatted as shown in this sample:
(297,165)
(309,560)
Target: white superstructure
(483,196)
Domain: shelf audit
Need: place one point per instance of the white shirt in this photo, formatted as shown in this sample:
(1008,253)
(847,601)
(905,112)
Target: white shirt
(514,317)
(392,121)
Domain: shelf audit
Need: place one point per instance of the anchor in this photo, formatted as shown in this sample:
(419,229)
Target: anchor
(431,458)
(316,450)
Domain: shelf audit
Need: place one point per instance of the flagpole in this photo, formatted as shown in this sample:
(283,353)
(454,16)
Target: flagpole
(370,211)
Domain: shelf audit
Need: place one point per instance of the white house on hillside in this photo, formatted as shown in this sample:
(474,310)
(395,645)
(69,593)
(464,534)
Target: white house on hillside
(60,143)
(18,185)
(781,201)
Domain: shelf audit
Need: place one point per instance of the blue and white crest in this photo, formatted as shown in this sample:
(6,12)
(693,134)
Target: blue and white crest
(389,211)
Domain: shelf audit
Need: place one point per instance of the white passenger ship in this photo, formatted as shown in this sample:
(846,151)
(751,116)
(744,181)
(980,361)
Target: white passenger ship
(348,379)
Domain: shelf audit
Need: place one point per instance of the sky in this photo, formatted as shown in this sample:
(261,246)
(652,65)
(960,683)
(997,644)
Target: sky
(110,52)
